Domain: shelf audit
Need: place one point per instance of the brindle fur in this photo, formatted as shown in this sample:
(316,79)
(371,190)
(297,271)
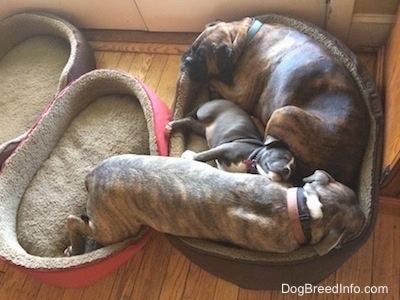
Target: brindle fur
(302,94)
(189,198)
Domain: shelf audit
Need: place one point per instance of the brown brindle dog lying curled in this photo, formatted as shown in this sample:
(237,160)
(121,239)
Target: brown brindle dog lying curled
(299,91)
(192,199)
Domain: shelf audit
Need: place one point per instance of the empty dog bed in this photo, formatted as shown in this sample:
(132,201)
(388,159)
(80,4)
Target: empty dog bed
(260,270)
(101,114)
(39,55)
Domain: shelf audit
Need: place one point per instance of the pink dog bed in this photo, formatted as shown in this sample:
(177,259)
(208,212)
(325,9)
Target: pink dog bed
(101,114)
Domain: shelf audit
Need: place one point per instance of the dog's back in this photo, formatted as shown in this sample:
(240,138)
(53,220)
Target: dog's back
(231,122)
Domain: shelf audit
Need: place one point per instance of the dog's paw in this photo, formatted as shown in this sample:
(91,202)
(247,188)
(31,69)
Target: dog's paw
(68,251)
(189,154)
(168,127)
(314,205)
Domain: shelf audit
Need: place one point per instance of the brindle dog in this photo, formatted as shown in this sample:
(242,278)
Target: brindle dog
(192,199)
(300,92)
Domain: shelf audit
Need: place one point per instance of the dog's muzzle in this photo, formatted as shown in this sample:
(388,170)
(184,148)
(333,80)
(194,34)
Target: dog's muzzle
(299,216)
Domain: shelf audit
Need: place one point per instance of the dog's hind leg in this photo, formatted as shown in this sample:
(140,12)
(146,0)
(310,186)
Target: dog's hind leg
(316,142)
(187,123)
(78,228)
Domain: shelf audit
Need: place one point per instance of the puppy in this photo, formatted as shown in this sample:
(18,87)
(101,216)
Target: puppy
(235,142)
(192,199)
(303,95)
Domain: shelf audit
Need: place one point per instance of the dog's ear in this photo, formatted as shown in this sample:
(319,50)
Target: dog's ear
(224,58)
(320,176)
(330,241)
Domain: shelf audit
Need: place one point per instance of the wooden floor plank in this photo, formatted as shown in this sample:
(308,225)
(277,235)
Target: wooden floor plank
(140,65)
(138,47)
(12,283)
(109,60)
(386,258)
(199,284)
(358,269)
(49,292)
(152,272)
(101,289)
(225,290)
(75,294)
(125,281)
(166,89)
(125,61)
(175,279)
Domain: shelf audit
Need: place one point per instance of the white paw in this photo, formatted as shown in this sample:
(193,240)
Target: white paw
(188,154)
(314,205)
(68,251)
(168,128)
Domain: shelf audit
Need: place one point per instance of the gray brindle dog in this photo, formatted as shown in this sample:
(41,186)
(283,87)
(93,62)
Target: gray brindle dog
(192,199)
(235,142)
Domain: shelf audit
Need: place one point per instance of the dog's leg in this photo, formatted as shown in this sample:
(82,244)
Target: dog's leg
(78,228)
(234,92)
(312,202)
(218,152)
(223,154)
(314,141)
(187,123)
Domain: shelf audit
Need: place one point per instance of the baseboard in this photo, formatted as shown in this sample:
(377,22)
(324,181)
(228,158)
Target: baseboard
(369,30)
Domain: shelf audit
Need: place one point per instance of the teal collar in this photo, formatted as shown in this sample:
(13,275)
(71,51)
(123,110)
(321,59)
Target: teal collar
(254,28)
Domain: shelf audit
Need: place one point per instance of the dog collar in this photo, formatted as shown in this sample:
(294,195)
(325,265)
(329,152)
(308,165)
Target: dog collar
(254,28)
(299,216)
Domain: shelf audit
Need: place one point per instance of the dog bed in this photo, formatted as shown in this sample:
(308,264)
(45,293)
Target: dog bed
(259,270)
(103,113)
(39,55)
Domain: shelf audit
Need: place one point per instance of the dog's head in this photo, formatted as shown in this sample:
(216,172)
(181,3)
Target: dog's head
(274,160)
(334,208)
(214,53)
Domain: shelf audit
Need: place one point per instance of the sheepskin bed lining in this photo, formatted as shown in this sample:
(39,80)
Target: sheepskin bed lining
(103,113)
(111,125)
(30,75)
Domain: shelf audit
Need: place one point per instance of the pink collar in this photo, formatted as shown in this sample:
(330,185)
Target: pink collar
(299,222)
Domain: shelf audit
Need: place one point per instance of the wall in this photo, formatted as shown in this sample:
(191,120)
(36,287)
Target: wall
(383,7)
(371,23)
(358,23)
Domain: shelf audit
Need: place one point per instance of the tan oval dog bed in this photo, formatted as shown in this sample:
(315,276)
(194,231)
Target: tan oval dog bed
(101,114)
(39,55)
(259,270)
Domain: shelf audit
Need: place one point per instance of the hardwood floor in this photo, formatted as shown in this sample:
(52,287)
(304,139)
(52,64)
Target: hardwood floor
(161,272)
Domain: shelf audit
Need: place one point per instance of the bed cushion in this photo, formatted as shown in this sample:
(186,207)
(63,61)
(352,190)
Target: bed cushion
(103,113)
